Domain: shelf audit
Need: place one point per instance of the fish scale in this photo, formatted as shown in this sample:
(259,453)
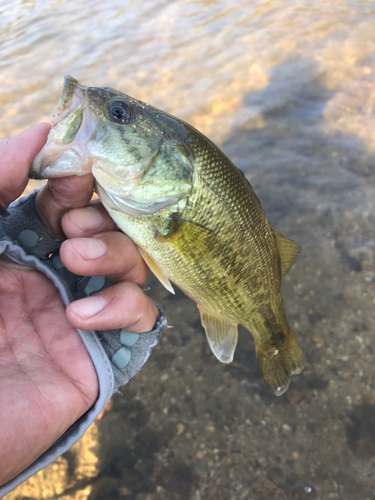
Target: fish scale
(191,211)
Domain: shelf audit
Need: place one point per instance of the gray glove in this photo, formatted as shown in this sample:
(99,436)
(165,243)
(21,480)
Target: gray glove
(116,354)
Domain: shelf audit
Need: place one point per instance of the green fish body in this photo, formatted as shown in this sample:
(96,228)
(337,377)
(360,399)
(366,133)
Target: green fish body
(190,210)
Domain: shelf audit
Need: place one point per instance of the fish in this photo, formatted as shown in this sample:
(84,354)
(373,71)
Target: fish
(193,214)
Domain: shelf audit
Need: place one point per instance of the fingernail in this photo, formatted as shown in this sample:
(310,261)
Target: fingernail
(86,218)
(85,308)
(89,248)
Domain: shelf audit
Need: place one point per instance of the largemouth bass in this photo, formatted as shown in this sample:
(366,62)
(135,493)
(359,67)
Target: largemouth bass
(190,210)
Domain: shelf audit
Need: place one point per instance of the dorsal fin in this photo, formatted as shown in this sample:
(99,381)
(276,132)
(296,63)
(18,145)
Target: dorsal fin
(221,334)
(288,251)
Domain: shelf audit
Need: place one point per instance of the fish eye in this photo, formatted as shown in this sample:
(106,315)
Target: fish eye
(119,111)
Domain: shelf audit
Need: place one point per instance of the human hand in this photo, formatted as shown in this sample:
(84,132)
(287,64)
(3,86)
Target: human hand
(47,377)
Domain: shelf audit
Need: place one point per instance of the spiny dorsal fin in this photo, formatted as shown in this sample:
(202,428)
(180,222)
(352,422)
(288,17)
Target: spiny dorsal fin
(159,273)
(288,251)
(221,334)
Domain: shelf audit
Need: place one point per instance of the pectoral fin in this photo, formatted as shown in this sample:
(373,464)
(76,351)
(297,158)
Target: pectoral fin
(288,251)
(221,334)
(159,273)
(190,239)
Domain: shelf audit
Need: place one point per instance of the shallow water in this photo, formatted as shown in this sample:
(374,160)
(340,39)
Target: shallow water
(287,89)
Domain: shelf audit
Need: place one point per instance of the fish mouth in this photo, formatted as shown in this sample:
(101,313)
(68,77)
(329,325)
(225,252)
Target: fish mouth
(72,127)
(73,93)
(67,150)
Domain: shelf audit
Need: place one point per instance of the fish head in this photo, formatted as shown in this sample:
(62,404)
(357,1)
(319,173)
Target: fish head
(139,155)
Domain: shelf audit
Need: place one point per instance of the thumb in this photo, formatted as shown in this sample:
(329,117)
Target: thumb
(59,196)
(16,156)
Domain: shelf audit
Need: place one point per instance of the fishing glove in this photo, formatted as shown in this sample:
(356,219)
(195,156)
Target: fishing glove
(116,354)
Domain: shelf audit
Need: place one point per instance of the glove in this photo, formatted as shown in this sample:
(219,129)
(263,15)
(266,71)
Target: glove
(117,355)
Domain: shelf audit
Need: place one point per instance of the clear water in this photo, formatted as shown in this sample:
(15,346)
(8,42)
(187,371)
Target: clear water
(287,89)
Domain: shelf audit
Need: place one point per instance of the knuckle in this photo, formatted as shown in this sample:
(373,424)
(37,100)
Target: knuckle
(138,300)
(140,307)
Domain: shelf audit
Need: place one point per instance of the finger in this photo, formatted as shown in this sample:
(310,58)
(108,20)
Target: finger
(123,305)
(58,196)
(83,222)
(111,254)
(17,154)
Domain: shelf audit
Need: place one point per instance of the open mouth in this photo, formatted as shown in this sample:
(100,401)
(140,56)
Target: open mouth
(72,95)
(65,152)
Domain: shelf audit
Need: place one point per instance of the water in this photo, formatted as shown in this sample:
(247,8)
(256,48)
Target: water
(287,89)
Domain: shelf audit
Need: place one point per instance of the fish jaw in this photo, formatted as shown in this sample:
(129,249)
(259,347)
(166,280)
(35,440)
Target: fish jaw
(72,95)
(65,152)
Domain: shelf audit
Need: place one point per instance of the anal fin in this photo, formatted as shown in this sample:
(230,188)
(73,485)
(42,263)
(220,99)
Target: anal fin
(159,273)
(221,334)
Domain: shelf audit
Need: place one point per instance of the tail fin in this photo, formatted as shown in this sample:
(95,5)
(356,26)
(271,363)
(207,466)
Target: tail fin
(278,364)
